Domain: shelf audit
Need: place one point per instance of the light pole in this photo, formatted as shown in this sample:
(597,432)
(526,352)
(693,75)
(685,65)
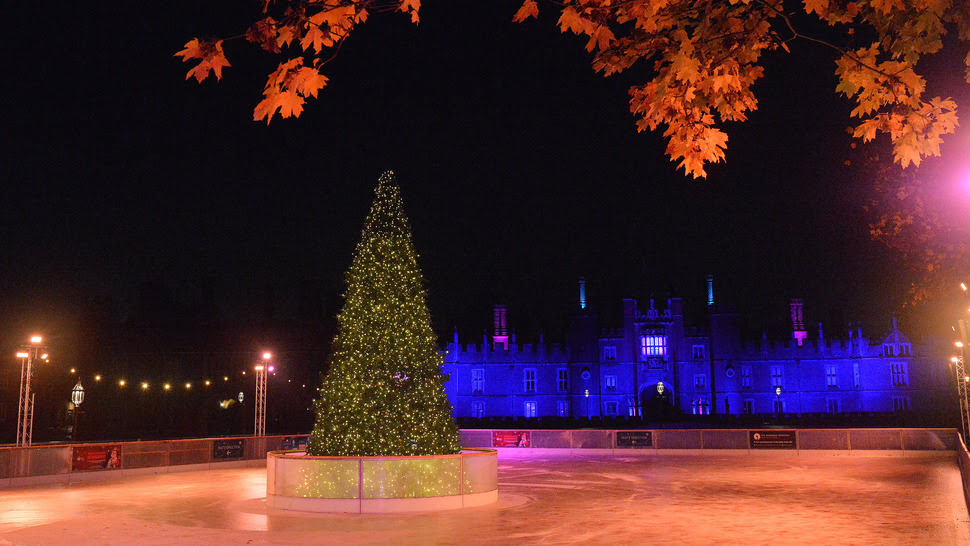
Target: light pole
(25,408)
(960,370)
(77,398)
(259,429)
(778,411)
(587,404)
(660,400)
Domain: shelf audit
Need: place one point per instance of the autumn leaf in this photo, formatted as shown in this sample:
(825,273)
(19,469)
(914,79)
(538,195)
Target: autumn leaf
(263,32)
(816,6)
(210,55)
(529,9)
(287,89)
(313,37)
(307,81)
(412,7)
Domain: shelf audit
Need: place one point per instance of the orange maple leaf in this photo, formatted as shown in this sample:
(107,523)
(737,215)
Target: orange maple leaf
(211,58)
(307,81)
(529,9)
(412,7)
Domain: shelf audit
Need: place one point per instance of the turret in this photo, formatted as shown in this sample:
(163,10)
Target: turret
(500,332)
(798,332)
(583,337)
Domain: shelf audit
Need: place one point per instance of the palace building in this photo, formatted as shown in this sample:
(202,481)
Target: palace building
(655,363)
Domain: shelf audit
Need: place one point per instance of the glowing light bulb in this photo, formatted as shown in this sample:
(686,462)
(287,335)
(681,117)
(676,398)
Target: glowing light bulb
(144,386)
(121,382)
(38,339)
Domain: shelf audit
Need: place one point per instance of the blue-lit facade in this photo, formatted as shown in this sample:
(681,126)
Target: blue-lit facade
(699,369)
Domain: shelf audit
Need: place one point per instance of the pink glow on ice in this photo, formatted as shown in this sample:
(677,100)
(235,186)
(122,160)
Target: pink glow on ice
(964,182)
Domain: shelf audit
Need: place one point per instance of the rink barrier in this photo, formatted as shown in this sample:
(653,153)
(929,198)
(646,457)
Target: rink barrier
(71,463)
(963,461)
(895,441)
(67,463)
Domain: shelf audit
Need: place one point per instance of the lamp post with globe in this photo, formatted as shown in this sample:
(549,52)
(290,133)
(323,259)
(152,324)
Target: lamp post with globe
(660,400)
(77,398)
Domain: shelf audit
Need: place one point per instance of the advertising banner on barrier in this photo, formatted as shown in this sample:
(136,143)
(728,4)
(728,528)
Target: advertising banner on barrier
(294,442)
(227,449)
(102,457)
(772,439)
(511,438)
(634,438)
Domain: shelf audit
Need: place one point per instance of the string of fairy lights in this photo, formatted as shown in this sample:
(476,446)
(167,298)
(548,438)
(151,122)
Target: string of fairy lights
(122,381)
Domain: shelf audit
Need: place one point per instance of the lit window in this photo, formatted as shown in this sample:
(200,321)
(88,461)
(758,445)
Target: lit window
(697,351)
(529,379)
(777,376)
(653,345)
(609,352)
(832,377)
(562,408)
(900,374)
(700,381)
(562,383)
(478,410)
(478,380)
(746,377)
(700,406)
(611,408)
(632,404)
(610,383)
(529,409)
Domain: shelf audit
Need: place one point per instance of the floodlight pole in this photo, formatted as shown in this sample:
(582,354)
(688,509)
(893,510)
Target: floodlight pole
(960,368)
(25,406)
(259,428)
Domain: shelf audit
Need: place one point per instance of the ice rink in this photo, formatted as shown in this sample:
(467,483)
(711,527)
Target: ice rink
(548,499)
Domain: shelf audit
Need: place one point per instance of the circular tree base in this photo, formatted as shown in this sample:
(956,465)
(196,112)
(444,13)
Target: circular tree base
(296,481)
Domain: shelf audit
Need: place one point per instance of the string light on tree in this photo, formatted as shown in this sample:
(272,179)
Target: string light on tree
(384,392)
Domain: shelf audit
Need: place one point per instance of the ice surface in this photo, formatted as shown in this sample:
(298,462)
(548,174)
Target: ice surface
(673,499)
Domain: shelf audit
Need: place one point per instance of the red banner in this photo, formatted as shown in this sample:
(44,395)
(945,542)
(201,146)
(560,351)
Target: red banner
(103,457)
(511,438)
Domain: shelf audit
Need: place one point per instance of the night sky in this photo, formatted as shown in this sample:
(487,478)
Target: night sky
(521,170)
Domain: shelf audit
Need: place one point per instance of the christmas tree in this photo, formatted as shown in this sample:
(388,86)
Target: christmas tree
(384,392)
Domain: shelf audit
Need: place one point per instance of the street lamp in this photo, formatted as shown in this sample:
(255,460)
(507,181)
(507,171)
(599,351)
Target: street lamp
(778,400)
(587,404)
(77,398)
(25,407)
(660,400)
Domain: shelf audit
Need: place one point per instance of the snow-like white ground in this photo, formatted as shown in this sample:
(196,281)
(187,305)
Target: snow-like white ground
(548,499)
